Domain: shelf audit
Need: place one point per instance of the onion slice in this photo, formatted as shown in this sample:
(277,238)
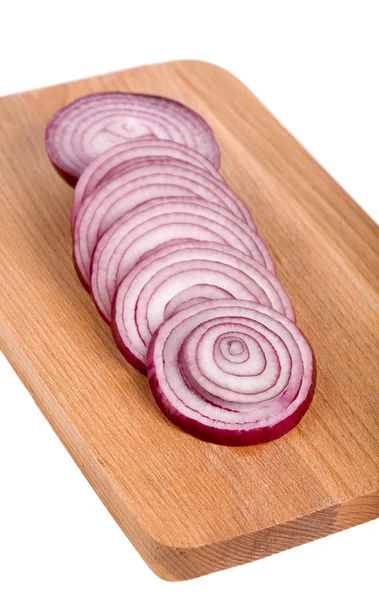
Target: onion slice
(99,213)
(107,162)
(92,124)
(151,224)
(180,275)
(231,372)
(111,200)
(154,162)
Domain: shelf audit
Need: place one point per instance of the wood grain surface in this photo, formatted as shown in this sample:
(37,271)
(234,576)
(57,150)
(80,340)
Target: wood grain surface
(190,507)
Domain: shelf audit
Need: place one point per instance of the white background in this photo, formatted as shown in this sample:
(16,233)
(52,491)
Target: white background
(315,66)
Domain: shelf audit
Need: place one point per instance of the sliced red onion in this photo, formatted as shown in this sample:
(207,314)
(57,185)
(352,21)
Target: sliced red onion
(92,124)
(231,372)
(152,161)
(170,160)
(153,223)
(177,263)
(111,200)
(106,163)
(178,276)
(101,210)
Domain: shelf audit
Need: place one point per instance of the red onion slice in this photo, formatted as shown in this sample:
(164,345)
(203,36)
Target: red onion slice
(92,124)
(102,209)
(240,350)
(106,163)
(153,223)
(181,275)
(111,200)
(153,161)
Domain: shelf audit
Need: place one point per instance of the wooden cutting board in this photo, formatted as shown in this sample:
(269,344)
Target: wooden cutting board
(190,507)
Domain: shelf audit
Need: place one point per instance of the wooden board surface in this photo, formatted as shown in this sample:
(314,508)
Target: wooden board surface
(190,507)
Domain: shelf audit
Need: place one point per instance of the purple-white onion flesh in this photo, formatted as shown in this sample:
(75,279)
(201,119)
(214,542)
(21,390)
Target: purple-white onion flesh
(107,163)
(114,198)
(148,226)
(231,372)
(177,276)
(92,124)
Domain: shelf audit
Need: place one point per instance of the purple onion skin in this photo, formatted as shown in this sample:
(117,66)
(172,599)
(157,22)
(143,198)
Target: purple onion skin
(80,277)
(88,288)
(102,315)
(224,437)
(130,357)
